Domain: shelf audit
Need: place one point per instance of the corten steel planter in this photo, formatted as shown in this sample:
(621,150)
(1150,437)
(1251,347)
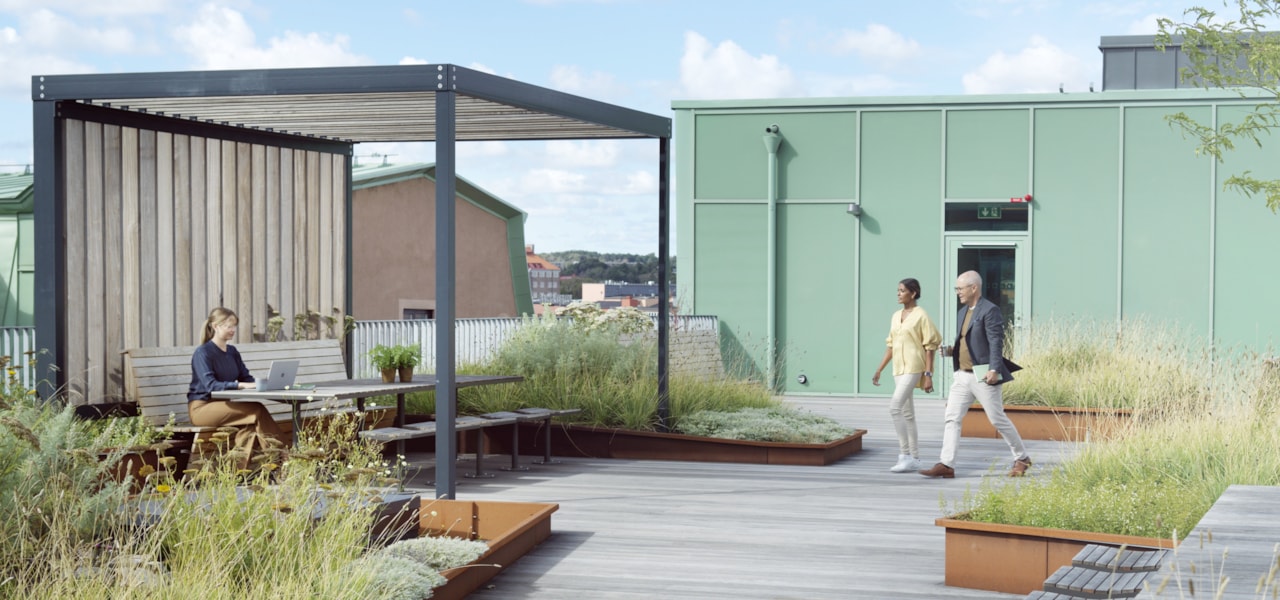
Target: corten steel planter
(1016,559)
(511,529)
(599,442)
(1060,423)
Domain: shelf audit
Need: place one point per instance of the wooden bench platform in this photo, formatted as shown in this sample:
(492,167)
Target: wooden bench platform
(157,379)
(1099,571)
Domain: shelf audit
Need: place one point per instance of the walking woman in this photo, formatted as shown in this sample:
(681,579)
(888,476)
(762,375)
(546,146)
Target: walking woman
(216,365)
(911,343)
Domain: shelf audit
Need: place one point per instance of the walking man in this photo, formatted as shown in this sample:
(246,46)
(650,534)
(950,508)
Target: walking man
(980,369)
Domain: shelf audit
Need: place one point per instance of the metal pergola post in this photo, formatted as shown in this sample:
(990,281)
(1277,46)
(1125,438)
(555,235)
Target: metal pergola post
(446,390)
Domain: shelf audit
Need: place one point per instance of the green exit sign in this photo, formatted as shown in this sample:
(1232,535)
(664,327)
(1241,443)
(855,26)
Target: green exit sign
(989,212)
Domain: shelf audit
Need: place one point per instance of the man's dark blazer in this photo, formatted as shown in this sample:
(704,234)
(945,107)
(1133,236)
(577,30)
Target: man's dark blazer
(985,340)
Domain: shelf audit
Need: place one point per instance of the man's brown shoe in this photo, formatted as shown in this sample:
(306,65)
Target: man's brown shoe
(939,470)
(1020,467)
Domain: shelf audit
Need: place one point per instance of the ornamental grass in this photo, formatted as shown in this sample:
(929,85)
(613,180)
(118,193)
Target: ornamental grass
(606,365)
(1160,474)
(290,526)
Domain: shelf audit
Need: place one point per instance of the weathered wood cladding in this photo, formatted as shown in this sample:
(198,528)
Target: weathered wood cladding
(162,227)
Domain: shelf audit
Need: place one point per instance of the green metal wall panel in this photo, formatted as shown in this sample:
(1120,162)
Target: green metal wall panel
(817,157)
(1076,198)
(682,204)
(1167,190)
(816,285)
(901,233)
(1246,244)
(987,153)
(730,263)
(730,157)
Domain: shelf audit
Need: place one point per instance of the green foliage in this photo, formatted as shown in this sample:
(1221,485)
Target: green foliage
(1160,475)
(611,376)
(395,357)
(1215,44)
(292,527)
(775,424)
(594,266)
(1098,364)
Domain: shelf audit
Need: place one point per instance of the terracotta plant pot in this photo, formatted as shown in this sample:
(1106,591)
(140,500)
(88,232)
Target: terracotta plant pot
(1016,559)
(406,374)
(388,376)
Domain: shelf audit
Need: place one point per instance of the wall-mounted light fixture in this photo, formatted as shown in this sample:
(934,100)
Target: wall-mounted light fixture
(802,379)
(855,209)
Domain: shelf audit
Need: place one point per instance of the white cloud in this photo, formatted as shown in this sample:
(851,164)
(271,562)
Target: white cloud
(553,181)
(1040,67)
(409,60)
(1147,25)
(727,71)
(878,44)
(82,8)
(570,153)
(593,85)
(18,63)
(220,38)
(47,29)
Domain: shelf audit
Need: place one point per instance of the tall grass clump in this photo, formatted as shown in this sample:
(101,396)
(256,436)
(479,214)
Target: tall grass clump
(294,525)
(604,363)
(1161,474)
(1099,364)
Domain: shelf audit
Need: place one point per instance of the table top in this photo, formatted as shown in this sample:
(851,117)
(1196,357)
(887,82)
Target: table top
(360,388)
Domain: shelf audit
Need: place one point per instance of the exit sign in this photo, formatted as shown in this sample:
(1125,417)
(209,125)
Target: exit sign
(989,212)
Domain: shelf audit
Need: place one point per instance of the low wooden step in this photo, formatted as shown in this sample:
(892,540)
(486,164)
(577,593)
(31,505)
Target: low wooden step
(1043,595)
(1121,560)
(1083,582)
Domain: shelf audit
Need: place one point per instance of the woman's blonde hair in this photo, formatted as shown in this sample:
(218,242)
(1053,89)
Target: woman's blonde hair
(217,317)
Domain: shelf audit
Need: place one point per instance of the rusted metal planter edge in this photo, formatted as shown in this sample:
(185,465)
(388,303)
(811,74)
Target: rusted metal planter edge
(1061,423)
(598,442)
(1016,559)
(511,529)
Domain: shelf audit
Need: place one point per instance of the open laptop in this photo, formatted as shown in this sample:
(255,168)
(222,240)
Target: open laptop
(280,376)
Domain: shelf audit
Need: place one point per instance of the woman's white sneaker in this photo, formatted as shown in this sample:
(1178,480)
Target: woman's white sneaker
(905,464)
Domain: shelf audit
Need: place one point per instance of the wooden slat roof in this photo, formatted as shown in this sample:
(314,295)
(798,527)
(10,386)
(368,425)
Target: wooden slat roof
(359,104)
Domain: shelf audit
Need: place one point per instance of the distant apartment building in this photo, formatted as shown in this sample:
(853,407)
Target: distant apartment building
(611,294)
(544,279)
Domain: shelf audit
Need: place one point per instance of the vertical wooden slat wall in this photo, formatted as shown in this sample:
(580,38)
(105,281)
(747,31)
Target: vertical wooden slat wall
(163,227)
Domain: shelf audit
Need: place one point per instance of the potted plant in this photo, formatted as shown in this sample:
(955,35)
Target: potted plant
(407,356)
(384,359)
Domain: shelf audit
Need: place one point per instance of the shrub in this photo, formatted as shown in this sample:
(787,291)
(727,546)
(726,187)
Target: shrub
(776,424)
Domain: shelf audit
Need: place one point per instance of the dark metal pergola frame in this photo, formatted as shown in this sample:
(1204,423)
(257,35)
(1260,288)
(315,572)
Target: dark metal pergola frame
(443,103)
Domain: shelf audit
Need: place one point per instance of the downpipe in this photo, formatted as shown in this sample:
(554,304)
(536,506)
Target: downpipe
(772,141)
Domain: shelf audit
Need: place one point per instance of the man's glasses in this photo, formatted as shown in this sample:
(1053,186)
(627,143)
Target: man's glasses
(965,287)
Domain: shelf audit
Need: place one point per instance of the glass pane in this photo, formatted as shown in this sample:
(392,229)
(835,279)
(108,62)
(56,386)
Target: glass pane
(996,266)
(970,216)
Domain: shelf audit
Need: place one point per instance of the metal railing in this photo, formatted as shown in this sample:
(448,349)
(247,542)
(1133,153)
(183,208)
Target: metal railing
(475,340)
(19,344)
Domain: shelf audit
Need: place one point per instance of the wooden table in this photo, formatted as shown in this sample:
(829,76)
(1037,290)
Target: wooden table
(358,390)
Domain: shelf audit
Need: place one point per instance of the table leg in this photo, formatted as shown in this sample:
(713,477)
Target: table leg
(546,449)
(479,474)
(297,422)
(399,423)
(515,449)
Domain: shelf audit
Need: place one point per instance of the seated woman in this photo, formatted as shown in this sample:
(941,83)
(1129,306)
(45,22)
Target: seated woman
(216,366)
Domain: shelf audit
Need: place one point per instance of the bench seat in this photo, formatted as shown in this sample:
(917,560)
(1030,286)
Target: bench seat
(157,379)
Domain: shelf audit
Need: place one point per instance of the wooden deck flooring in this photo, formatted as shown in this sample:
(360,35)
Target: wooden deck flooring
(656,529)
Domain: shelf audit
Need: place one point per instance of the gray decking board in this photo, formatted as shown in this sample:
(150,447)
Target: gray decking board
(1246,520)
(664,529)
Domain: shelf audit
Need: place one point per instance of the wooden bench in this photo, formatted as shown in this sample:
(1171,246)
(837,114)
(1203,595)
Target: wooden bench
(1100,571)
(158,378)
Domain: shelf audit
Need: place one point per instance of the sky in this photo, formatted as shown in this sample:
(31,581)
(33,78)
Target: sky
(641,54)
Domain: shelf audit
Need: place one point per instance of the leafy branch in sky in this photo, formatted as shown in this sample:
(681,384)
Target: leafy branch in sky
(1238,53)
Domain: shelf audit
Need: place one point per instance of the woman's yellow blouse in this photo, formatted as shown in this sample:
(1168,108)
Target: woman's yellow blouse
(911,339)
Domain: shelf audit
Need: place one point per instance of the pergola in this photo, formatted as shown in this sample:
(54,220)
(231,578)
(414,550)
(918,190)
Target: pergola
(326,110)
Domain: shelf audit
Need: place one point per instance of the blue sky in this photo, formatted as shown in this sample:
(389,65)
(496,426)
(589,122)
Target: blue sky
(642,54)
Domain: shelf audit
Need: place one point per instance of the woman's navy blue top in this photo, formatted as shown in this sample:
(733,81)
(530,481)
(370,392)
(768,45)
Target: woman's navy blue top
(213,370)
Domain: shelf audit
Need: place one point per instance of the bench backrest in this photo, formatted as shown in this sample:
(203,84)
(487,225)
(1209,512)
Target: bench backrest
(157,378)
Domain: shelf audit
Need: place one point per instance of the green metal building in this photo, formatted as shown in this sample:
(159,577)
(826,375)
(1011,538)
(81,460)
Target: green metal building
(796,218)
(17,250)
